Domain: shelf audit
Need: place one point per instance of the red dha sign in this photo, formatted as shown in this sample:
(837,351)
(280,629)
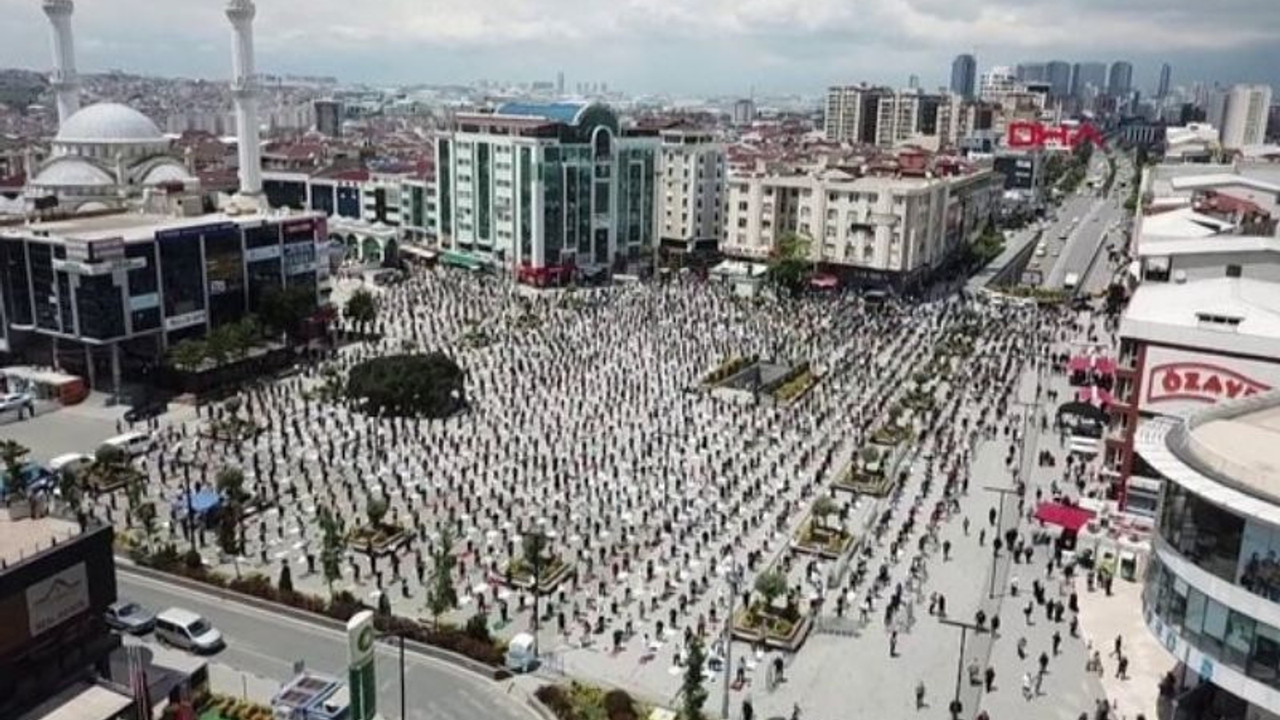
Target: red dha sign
(1199,382)
(1024,134)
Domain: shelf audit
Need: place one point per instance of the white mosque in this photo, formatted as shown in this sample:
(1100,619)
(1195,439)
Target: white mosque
(104,155)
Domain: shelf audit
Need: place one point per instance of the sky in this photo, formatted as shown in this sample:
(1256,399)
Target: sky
(679,47)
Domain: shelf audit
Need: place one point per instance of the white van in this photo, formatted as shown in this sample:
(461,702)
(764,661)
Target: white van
(520,655)
(187,630)
(133,443)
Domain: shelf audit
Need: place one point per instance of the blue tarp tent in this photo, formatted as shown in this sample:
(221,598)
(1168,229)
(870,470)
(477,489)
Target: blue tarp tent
(202,503)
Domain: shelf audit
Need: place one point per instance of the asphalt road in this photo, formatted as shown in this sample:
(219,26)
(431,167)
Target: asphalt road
(267,644)
(1084,219)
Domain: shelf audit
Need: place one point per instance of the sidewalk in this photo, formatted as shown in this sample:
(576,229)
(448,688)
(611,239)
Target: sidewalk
(1102,618)
(226,680)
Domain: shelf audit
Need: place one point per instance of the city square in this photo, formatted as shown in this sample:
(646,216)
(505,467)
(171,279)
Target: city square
(658,503)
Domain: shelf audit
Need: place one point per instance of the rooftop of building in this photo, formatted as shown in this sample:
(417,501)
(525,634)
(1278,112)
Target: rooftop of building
(1158,246)
(1243,446)
(21,539)
(569,112)
(137,225)
(1240,315)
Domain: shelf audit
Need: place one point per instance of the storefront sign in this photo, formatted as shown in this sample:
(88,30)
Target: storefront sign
(57,598)
(1199,382)
(196,231)
(268,252)
(178,322)
(144,302)
(361,684)
(1181,382)
(1025,134)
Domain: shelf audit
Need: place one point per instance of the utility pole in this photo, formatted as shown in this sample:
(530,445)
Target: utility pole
(956,706)
(999,529)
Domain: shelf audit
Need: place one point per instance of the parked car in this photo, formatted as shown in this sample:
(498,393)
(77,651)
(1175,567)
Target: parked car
(146,411)
(187,630)
(130,617)
(70,461)
(132,443)
(16,401)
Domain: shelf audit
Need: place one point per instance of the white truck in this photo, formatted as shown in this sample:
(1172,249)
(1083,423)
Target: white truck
(1071,281)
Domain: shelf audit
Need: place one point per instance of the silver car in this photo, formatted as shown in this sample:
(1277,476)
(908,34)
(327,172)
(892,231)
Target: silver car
(130,617)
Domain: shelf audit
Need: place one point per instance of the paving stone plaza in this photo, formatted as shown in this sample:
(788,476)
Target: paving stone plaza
(876,499)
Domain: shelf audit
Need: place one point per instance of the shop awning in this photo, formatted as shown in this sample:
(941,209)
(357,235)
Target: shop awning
(1067,517)
(824,282)
(463,260)
(1079,363)
(1095,395)
(1104,366)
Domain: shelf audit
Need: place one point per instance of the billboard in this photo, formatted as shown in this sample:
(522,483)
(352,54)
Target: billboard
(1182,382)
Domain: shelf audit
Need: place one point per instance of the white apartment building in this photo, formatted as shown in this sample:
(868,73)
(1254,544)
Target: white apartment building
(882,229)
(898,117)
(997,83)
(1244,116)
(852,112)
(910,116)
(691,173)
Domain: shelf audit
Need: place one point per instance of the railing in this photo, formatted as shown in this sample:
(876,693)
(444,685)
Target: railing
(1182,442)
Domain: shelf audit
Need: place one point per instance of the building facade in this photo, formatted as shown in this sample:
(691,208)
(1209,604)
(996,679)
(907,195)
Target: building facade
(1212,591)
(1120,79)
(109,295)
(852,112)
(1245,113)
(964,76)
(874,230)
(691,170)
(545,190)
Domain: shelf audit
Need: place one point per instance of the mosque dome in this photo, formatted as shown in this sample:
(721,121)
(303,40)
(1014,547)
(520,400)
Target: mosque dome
(106,123)
(166,172)
(72,172)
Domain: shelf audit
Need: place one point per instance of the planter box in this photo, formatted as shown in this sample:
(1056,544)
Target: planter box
(872,485)
(384,543)
(824,550)
(790,642)
(551,578)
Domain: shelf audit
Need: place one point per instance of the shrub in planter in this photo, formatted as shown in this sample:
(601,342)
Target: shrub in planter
(477,628)
(618,705)
(344,605)
(557,701)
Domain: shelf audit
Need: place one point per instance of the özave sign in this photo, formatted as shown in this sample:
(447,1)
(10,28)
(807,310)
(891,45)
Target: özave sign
(1177,383)
(1027,134)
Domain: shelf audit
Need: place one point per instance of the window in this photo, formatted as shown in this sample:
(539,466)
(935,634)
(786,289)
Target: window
(1215,627)
(1264,660)
(1233,271)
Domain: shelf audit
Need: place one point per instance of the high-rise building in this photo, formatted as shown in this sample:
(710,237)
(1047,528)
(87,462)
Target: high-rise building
(329,117)
(691,168)
(1166,72)
(1120,79)
(540,189)
(1088,75)
(964,75)
(1032,72)
(997,83)
(852,112)
(1058,75)
(744,112)
(560,83)
(1244,116)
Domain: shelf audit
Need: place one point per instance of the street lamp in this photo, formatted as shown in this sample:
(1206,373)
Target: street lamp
(734,577)
(999,528)
(956,706)
(400,636)
(539,539)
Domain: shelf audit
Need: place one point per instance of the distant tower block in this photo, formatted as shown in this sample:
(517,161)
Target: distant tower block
(244,89)
(65,82)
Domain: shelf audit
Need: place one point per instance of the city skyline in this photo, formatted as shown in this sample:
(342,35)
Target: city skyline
(645,47)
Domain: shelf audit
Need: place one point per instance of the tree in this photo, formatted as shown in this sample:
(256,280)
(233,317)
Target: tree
(441,596)
(790,265)
(362,309)
(146,514)
(376,510)
(693,693)
(244,335)
(770,585)
(230,483)
(188,355)
(428,385)
(12,452)
(534,548)
(219,344)
(284,310)
(229,532)
(823,508)
(332,547)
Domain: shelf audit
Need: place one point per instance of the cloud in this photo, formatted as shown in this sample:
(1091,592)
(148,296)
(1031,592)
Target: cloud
(715,43)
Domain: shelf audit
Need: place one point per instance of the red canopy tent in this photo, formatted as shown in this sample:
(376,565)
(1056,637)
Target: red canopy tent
(1079,363)
(1068,517)
(1105,366)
